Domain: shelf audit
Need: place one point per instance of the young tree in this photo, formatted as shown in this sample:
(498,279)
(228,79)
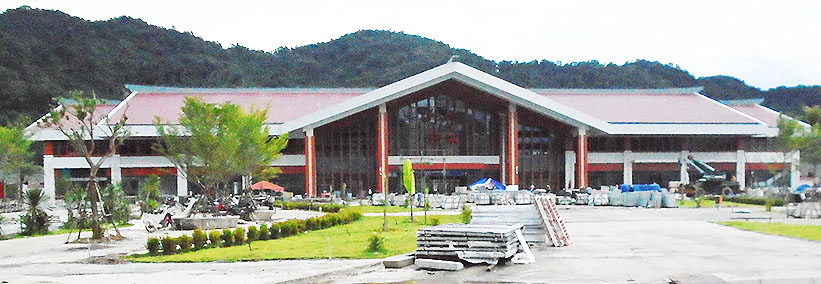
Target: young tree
(149,195)
(15,153)
(410,183)
(92,136)
(216,143)
(792,136)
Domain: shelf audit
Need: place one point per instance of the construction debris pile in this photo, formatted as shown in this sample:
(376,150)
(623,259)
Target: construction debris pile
(635,196)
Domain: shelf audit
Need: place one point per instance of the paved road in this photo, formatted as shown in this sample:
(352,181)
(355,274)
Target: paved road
(630,245)
(625,245)
(47,259)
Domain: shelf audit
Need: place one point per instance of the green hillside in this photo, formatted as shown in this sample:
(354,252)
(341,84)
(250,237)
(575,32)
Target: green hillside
(43,54)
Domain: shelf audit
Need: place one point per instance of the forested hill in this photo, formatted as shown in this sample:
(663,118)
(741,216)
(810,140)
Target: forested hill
(44,54)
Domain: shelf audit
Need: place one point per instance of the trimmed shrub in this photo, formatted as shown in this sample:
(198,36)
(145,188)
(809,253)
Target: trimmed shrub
(329,208)
(227,238)
(435,221)
(185,242)
(755,200)
(466,214)
(153,245)
(169,245)
(253,233)
(275,231)
(264,233)
(239,235)
(199,239)
(325,222)
(285,229)
(215,238)
(312,223)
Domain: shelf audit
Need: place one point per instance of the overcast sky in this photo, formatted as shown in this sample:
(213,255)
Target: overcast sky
(765,43)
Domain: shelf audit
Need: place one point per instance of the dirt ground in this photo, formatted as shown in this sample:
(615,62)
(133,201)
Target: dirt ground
(613,245)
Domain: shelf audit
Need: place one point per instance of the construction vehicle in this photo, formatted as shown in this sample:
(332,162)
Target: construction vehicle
(707,180)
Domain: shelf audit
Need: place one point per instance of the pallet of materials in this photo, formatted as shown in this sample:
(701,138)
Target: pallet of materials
(526,215)
(469,242)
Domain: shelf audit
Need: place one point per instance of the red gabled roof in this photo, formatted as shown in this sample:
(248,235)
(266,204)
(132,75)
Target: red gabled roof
(147,103)
(71,120)
(653,106)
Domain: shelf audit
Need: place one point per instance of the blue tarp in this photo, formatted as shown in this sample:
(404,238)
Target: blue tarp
(802,188)
(639,187)
(488,181)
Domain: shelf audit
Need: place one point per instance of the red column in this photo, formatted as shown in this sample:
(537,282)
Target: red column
(382,149)
(581,159)
(512,146)
(48,148)
(310,163)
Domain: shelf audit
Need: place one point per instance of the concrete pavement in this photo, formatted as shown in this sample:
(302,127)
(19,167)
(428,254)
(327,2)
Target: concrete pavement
(634,245)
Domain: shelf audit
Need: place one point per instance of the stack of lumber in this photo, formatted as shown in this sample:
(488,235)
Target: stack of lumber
(469,242)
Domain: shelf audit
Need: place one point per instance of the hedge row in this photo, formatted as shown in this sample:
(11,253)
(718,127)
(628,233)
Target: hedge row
(291,205)
(239,236)
(755,200)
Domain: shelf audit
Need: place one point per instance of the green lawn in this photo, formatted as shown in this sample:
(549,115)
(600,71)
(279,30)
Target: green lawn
(807,232)
(687,203)
(345,241)
(391,209)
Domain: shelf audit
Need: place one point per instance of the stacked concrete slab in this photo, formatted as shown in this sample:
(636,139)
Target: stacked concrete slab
(468,242)
(526,215)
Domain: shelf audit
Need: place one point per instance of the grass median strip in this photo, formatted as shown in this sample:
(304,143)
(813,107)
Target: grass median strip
(807,232)
(345,241)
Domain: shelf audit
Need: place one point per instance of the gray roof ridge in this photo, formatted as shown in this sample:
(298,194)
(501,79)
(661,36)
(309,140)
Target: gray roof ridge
(740,102)
(619,91)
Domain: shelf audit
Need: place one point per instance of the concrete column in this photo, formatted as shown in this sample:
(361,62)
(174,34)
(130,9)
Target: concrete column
(116,170)
(382,149)
(569,169)
(628,167)
(684,177)
(512,145)
(581,159)
(182,183)
(741,169)
(48,178)
(310,163)
(795,172)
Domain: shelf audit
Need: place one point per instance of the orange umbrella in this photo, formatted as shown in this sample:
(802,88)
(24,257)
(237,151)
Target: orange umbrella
(267,185)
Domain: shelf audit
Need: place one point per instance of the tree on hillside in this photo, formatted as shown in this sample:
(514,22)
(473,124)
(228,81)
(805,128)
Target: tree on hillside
(92,136)
(214,144)
(16,157)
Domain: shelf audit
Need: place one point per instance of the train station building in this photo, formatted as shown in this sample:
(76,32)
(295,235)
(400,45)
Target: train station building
(458,124)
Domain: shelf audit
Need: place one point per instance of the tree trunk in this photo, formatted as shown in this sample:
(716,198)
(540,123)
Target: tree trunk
(411,207)
(93,197)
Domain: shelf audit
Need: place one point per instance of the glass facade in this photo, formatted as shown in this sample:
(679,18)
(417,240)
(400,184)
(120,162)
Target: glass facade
(440,125)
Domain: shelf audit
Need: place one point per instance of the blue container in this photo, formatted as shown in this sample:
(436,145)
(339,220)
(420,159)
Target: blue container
(625,188)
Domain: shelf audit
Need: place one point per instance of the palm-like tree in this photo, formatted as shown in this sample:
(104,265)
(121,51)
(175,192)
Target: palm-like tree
(35,222)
